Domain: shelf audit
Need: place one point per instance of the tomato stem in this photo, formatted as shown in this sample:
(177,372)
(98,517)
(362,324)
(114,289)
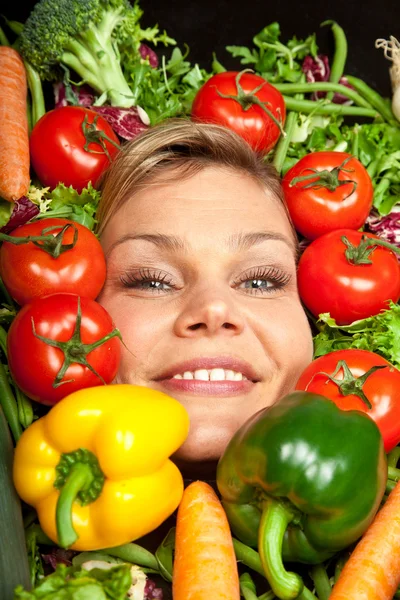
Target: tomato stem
(52,244)
(247,100)
(328,179)
(96,136)
(74,350)
(359,255)
(350,385)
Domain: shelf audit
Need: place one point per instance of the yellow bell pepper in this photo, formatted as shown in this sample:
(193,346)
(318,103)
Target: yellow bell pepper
(96,467)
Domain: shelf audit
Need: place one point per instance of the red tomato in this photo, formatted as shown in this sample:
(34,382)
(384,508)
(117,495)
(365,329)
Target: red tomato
(29,272)
(254,124)
(315,209)
(57,148)
(34,363)
(381,388)
(329,283)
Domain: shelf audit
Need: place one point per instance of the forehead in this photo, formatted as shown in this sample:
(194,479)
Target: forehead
(214,203)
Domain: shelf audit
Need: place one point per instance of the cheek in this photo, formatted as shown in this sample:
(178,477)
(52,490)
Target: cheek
(140,329)
(286,338)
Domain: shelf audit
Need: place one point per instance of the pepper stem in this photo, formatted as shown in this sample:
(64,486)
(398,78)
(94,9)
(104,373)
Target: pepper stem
(79,478)
(275,518)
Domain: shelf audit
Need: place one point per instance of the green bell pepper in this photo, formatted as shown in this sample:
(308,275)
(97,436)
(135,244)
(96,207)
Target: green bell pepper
(302,480)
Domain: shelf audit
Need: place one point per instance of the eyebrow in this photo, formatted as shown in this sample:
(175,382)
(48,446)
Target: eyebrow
(236,242)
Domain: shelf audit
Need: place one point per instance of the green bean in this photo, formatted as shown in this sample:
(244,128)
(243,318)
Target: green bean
(267,596)
(355,144)
(35,87)
(323,108)
(393,457)
(5,293)
(390,485)
(306,594)
(3,38)
(323,86)
(340,54)
(373,98)
(9,404)
(248,557)
(3,340)
(25,410)
(341,561)
(284,142)
(133,553)
(321,581)
(247,587)
(393,472)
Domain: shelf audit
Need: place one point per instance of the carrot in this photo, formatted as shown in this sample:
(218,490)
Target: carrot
(205,563)
(373,569)
(14,142)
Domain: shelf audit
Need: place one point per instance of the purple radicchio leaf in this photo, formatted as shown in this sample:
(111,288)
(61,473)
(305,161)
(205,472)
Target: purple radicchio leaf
(57,556)
(318,69)
(387,227)
(126,122)
(151,592)
(83,95)
(23,211)
(146,52)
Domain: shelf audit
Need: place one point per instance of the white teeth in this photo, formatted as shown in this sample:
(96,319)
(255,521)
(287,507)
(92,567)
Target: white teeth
(216,374)
(201,375)
(230,375)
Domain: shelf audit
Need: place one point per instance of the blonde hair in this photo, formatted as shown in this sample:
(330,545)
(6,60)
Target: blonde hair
(178,147)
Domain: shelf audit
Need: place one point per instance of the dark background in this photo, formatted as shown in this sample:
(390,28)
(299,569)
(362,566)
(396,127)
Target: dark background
(209,26)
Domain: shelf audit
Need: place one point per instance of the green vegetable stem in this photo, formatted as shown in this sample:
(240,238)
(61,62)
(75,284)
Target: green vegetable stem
(323,86)
(340,54)
(373,98)
(322,107)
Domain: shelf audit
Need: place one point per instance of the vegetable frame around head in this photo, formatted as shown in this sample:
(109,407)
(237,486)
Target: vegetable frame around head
(302,480)
(96,466)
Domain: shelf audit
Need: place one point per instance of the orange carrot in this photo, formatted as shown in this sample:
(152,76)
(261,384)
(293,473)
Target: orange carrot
(373,569)
(14,141)
(205,564)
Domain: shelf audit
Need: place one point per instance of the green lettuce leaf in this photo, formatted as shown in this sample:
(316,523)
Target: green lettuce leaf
(71,583)
(65,202)
(380,334)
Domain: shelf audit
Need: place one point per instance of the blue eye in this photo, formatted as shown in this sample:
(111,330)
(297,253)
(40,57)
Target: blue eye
(263,280)
(146,280)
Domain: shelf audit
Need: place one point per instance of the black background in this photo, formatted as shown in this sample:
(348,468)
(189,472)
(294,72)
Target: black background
(209,26)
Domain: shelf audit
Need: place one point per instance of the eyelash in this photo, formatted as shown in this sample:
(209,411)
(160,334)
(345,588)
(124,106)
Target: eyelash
(278,278)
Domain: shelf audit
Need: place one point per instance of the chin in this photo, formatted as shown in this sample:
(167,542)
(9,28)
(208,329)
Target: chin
(204,444)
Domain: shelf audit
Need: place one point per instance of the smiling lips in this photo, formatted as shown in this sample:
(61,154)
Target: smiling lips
(221,376)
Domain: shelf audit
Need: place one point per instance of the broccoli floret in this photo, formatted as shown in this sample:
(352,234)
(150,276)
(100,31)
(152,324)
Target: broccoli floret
(79,35)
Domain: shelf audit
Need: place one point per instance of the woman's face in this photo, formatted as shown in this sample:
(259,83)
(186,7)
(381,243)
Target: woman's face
(202,285)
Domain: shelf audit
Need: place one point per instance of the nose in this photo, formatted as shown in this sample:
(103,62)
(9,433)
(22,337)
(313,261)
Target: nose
(208,314)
